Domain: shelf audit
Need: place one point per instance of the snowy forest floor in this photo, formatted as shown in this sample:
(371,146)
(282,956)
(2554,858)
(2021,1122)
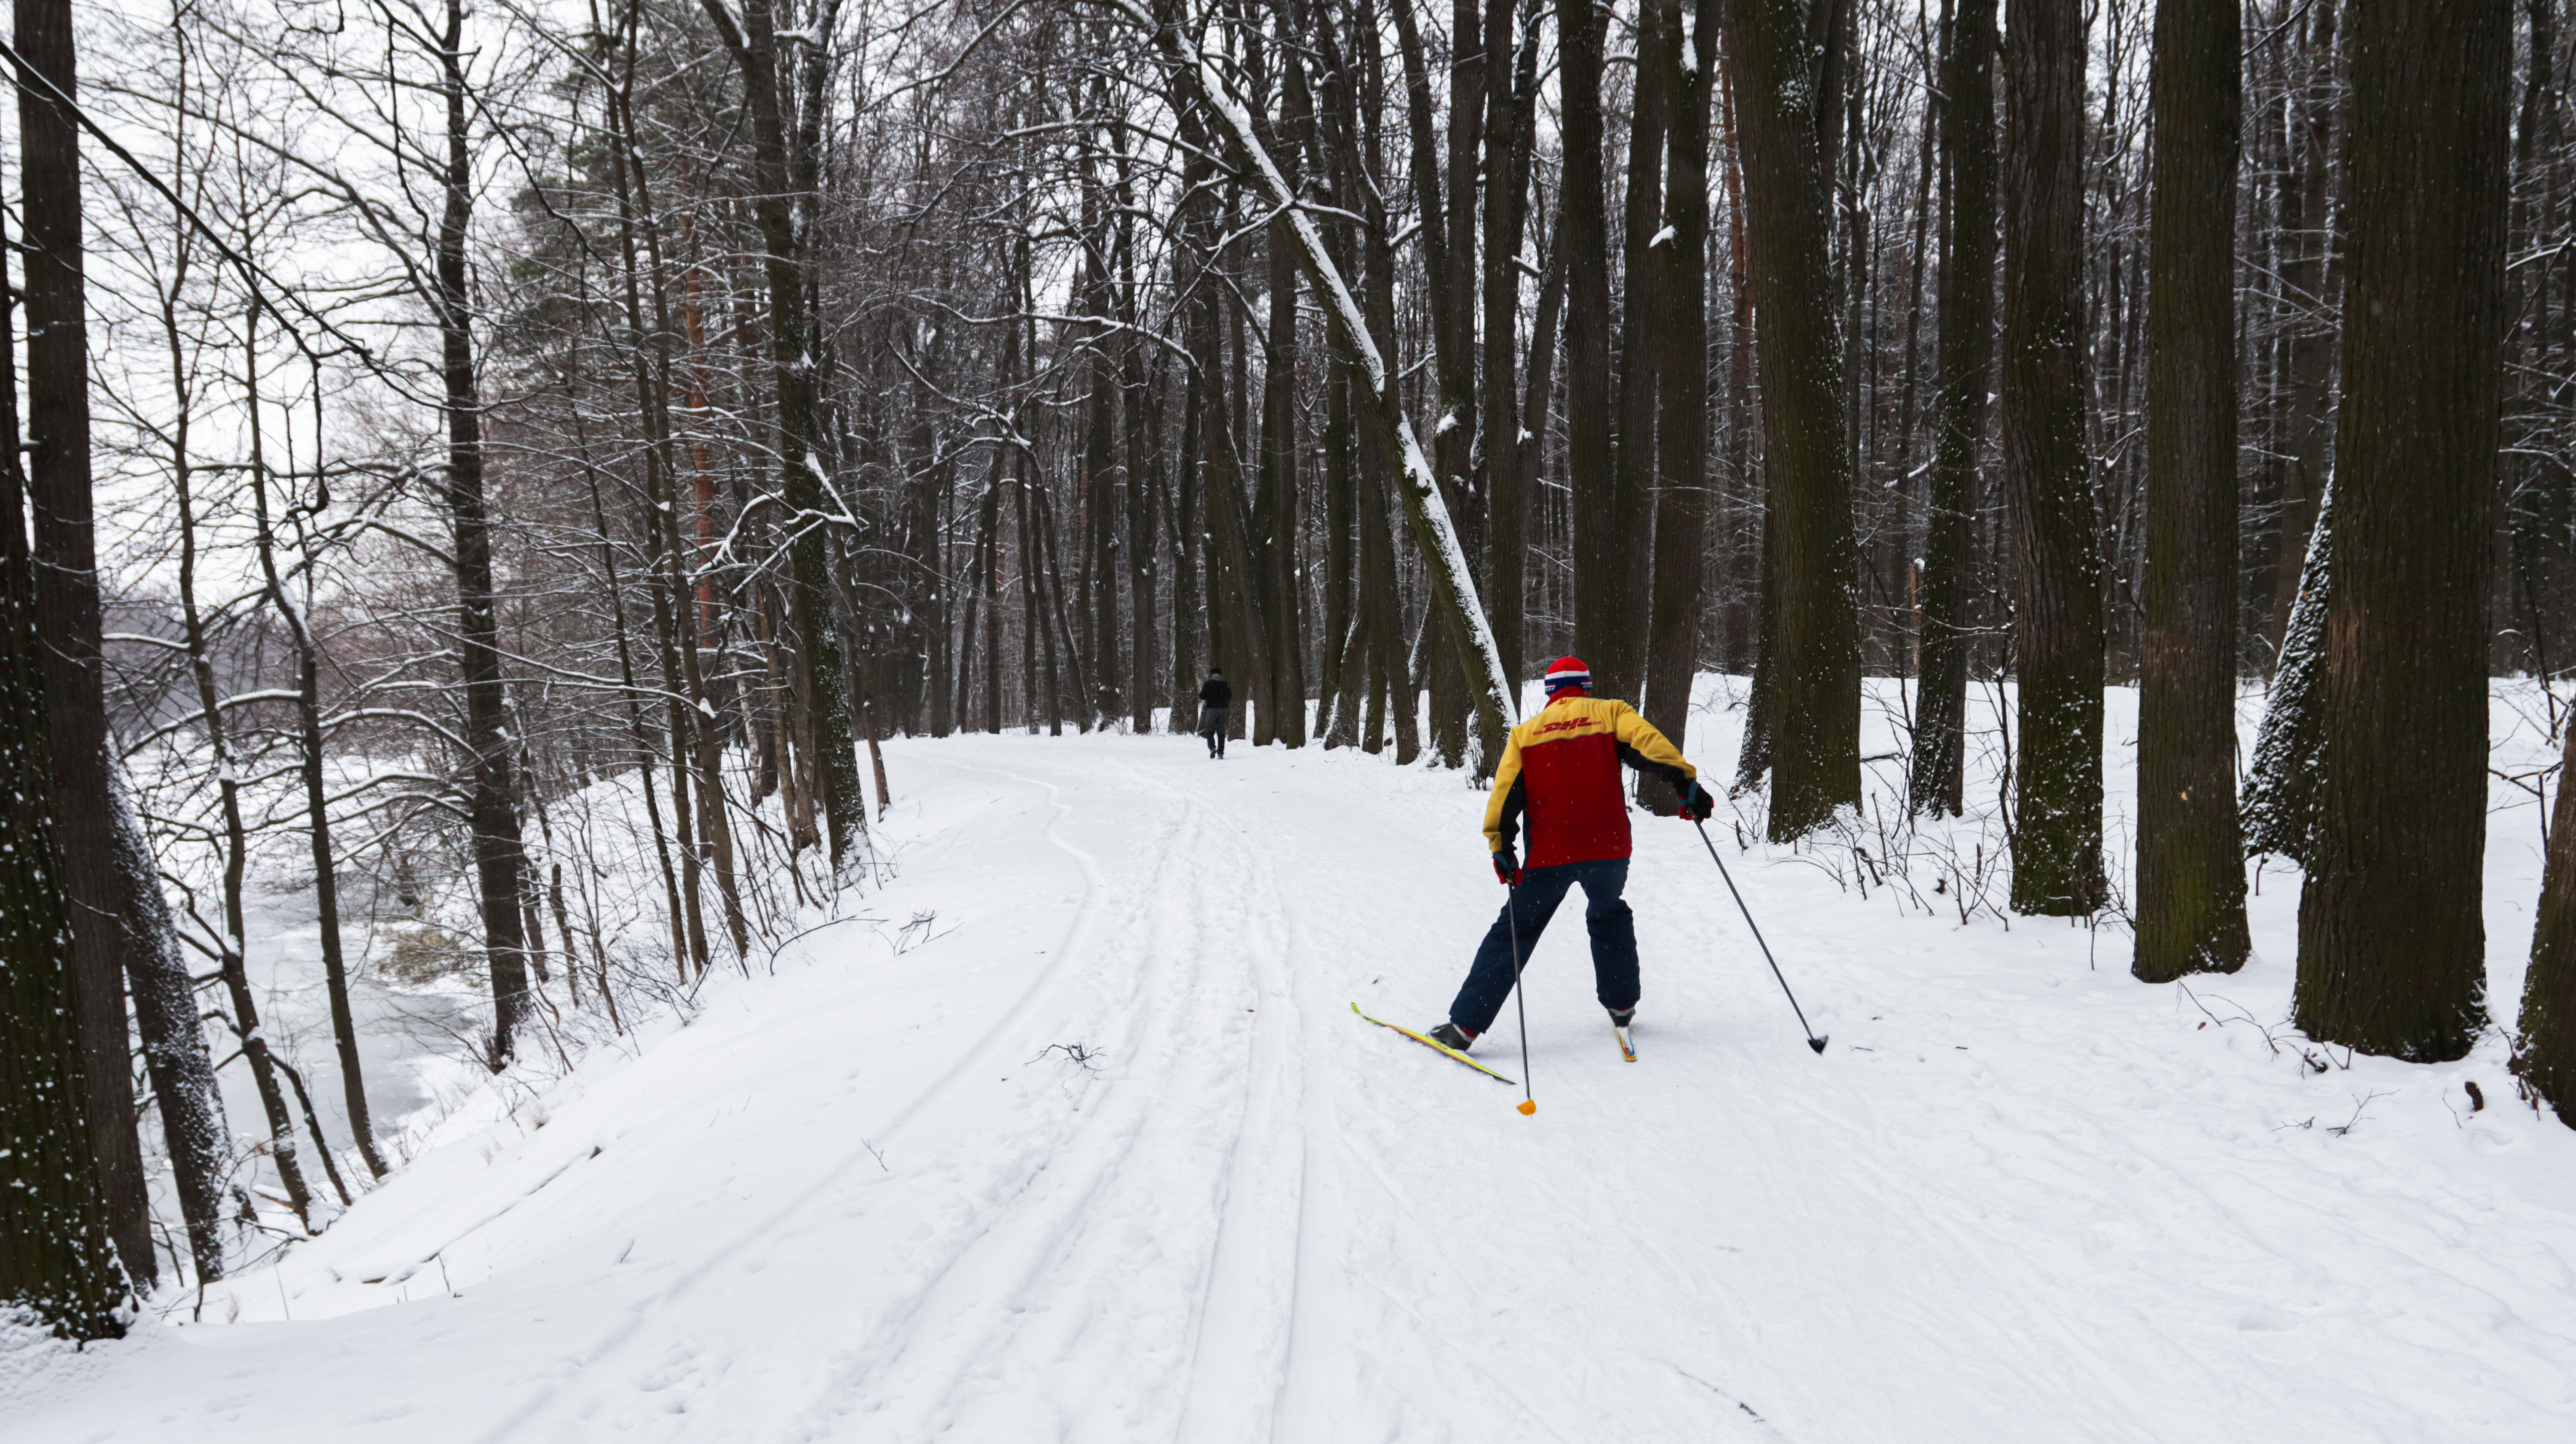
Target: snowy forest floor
(1067,1132)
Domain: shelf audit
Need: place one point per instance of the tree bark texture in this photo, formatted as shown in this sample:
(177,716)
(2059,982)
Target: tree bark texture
(1511,108)
(1814,659)
(2057,574)
(57,1255)
(105,915)
(1965,361)
(1613,566)
(1681,500)
(2392,954)
(58,1252)
(1590,448)
(2191,860)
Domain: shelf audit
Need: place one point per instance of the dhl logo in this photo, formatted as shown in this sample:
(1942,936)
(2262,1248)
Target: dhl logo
(1569,724)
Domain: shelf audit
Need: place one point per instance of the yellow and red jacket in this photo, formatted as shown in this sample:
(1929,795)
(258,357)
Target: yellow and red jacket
(1561,768)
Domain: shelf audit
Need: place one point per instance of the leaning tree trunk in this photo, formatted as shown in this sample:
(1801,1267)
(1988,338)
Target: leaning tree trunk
(2392,947)
(2191,862)
(1814,659)
(107,918)
(1965,361)
(500,862)
(2057,574)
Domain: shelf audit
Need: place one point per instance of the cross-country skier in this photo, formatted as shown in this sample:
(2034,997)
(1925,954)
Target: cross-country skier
(1561,770)
(1214,699)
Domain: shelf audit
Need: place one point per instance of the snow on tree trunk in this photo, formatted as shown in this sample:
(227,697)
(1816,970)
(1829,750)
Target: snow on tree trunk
(2278,810)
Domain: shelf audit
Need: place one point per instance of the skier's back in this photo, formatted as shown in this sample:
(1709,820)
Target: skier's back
(1560,773)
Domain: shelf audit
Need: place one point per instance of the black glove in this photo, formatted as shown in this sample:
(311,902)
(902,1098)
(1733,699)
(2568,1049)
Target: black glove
(1697,805)
(1507,868)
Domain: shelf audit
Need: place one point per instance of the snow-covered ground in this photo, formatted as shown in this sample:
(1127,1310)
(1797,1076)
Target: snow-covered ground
(1069,1133)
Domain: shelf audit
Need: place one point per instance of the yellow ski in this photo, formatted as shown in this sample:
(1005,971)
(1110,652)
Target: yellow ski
(1441,1049)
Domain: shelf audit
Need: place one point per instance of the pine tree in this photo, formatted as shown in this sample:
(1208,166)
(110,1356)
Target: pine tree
(56,1258)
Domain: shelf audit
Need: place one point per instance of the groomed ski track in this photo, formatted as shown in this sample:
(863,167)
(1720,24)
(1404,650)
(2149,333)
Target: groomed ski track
(875,1196)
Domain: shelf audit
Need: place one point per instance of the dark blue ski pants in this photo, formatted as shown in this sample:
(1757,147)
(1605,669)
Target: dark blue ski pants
(1605,916)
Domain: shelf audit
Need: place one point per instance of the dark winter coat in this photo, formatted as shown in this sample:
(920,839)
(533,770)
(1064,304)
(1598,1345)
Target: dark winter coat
(1216,693)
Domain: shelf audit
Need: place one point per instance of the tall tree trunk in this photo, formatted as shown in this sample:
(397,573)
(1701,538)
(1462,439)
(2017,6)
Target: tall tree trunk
(1142,457)
(1448,234)
(1965,370)
(1591,455)
(105,913)
(1511,107)
(1389,683)
(492,806)
(1814,715)
(1681,503)
(1274,550)
(782,177)
(2307,278)
(58,1256)
(2057,573)
(2392,955)
(1615,569)
(2191,858)
(1344,644)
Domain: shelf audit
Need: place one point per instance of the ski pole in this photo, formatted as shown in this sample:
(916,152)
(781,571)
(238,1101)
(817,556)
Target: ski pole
(1512,916)
(1813,1039)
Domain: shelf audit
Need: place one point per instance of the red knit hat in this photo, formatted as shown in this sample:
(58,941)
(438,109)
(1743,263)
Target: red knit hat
(1568,672)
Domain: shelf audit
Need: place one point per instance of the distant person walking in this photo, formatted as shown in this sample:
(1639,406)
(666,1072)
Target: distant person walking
(1214,699)
(1561,770)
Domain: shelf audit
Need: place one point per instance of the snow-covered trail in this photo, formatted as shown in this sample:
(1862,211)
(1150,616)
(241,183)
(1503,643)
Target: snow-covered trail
(870,1198)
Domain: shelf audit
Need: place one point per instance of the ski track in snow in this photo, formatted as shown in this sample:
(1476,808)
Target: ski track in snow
(2020,1198)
